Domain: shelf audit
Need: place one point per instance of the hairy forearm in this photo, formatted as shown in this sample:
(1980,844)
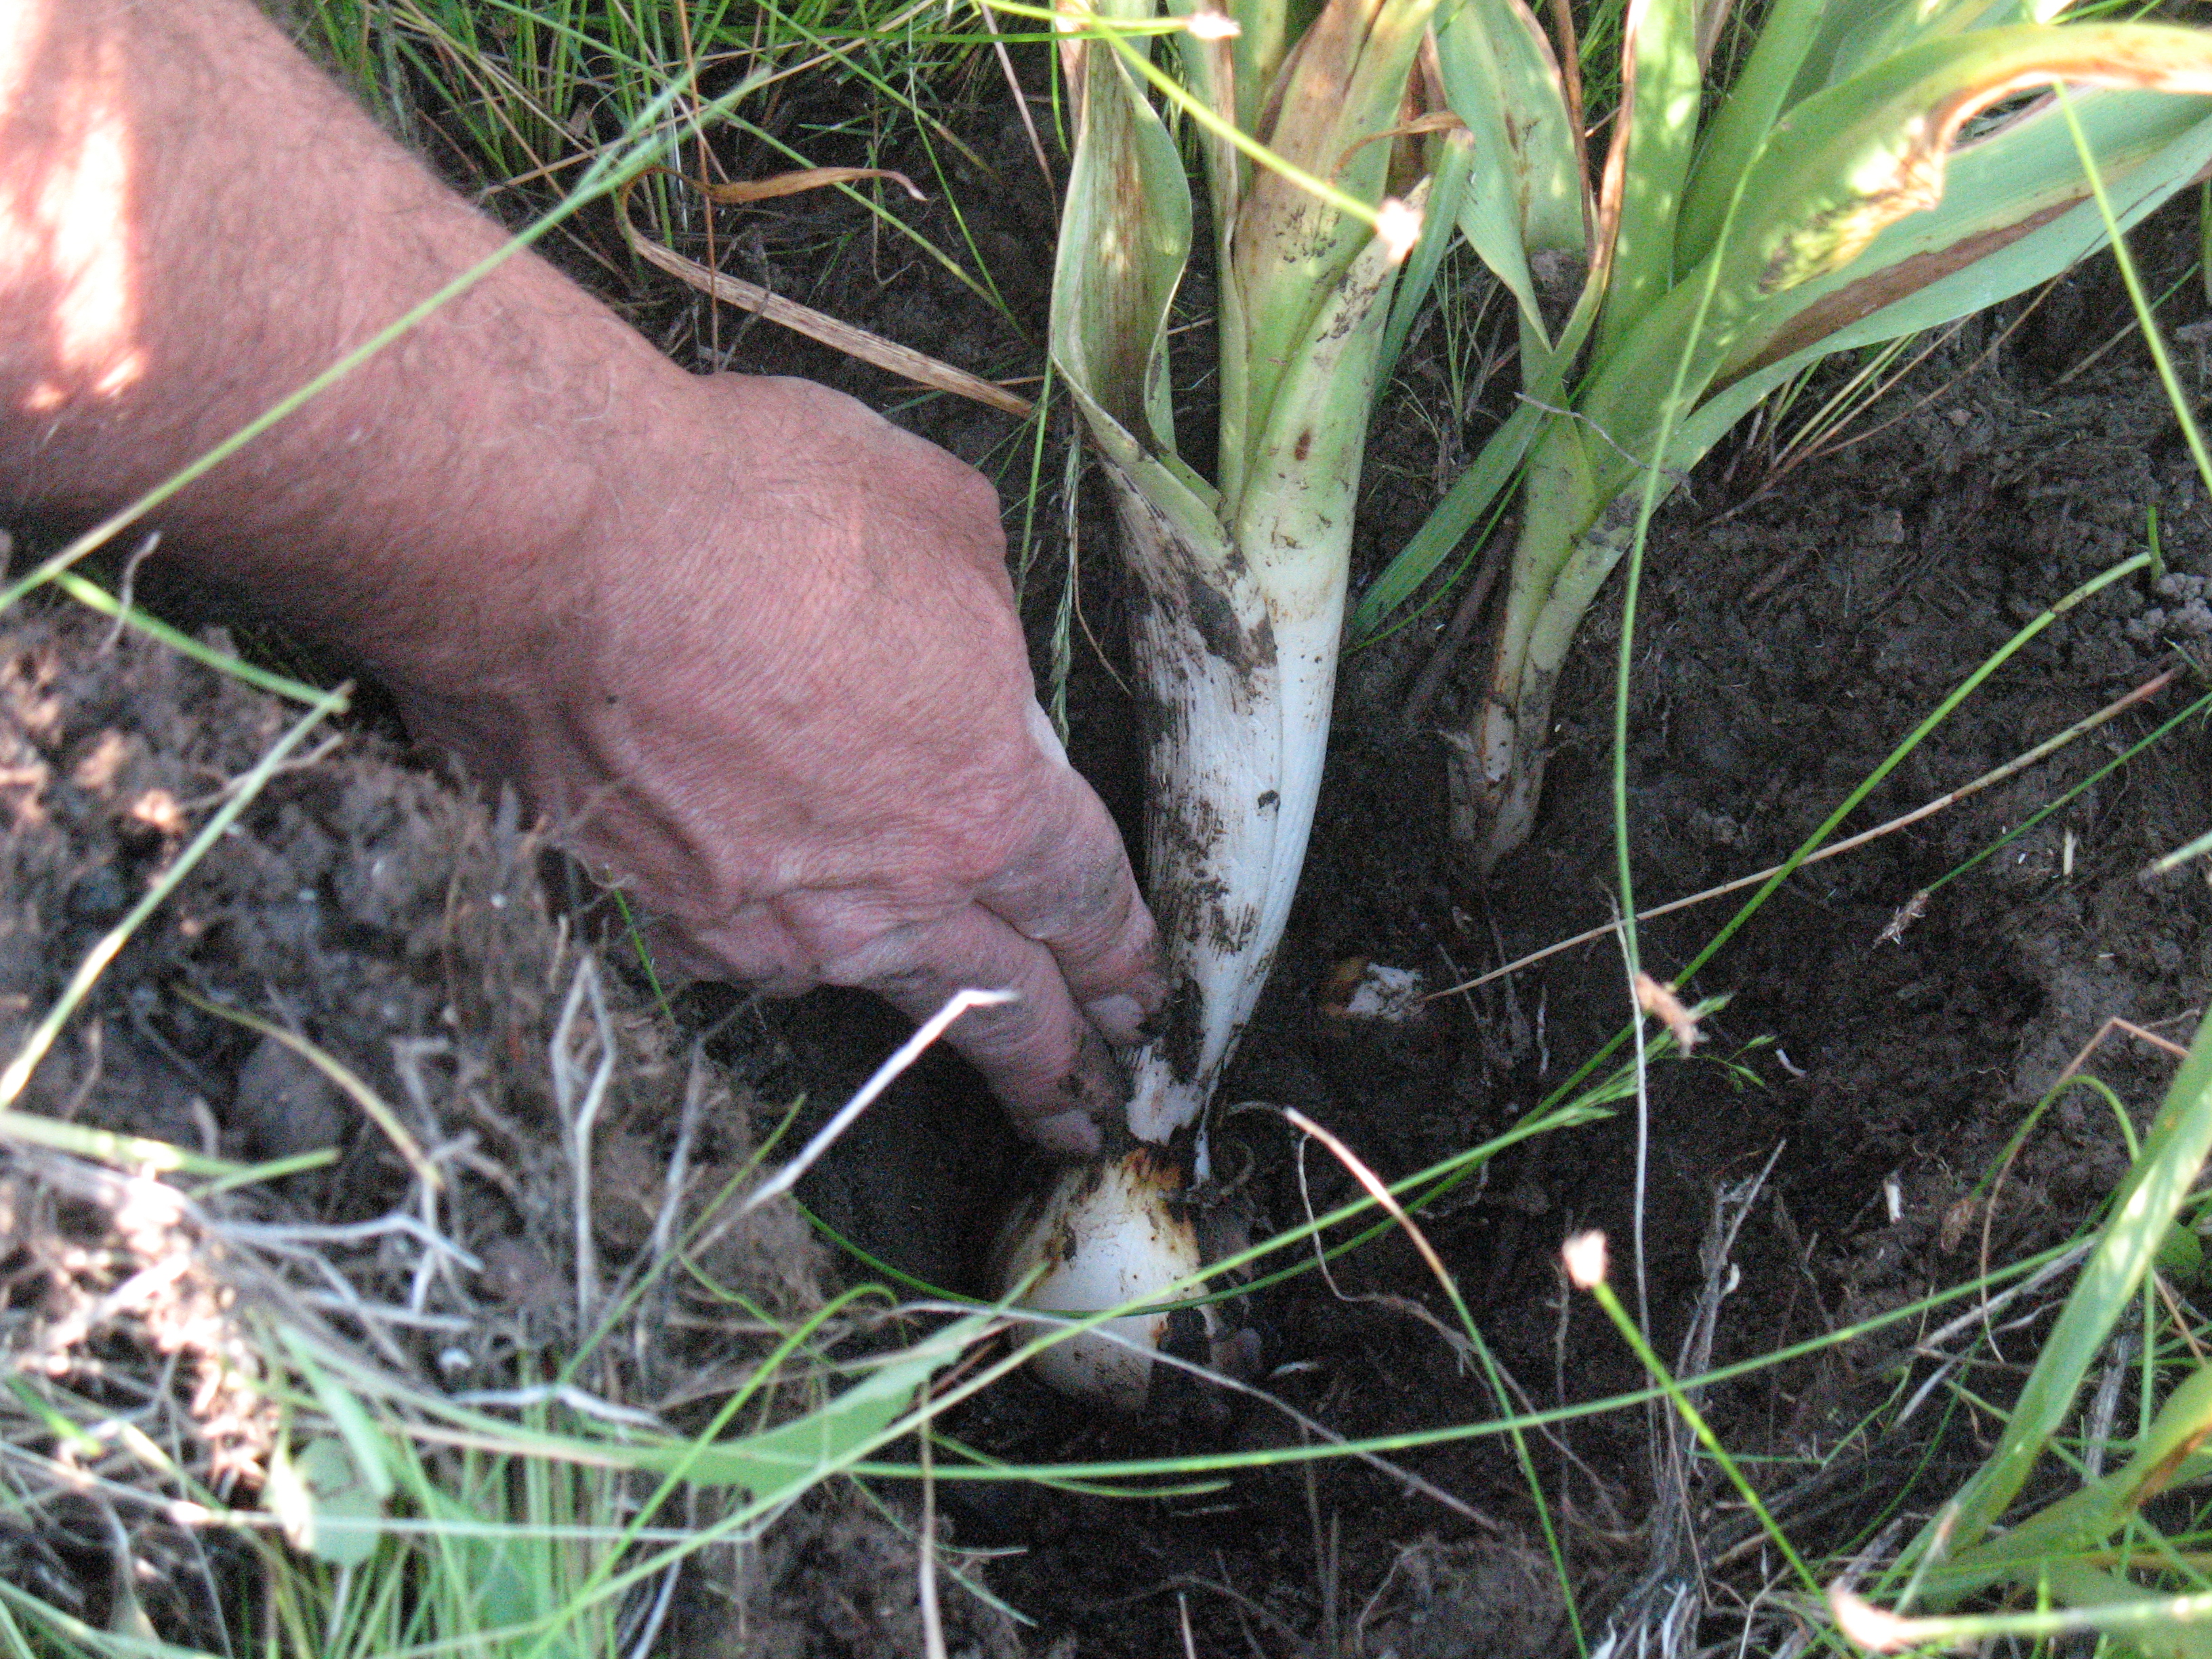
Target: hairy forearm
(749,647)
(193,223)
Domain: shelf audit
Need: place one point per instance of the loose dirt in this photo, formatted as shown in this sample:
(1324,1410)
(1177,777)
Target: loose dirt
(366,909)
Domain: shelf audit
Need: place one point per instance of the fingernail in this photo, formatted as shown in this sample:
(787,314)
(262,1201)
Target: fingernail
(1069,1134)
(1121,1017)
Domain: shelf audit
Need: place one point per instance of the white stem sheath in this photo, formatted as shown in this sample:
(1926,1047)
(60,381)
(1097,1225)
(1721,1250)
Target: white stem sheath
(1240,665)
(1236,609)
(1240,681)
(1236,629)
(1240,677)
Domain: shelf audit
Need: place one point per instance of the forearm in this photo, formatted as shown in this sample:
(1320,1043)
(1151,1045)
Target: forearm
(193,223)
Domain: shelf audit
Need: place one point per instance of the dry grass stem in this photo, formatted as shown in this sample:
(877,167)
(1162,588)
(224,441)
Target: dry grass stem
(1375,1188)
(580,1099)
(826,1137)
(348,1082)
(738,193)
(1021,103)
(1660,1002)
(1462,1350)
(886,354)
(1661,1606)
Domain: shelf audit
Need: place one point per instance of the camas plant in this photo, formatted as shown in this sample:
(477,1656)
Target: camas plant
(1236,583)
(1850,186)
(1870,170)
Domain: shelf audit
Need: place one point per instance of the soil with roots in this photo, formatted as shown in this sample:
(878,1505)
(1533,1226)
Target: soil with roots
(1841,1145)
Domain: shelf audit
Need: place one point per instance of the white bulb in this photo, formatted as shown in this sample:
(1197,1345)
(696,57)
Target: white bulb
(1106,1234)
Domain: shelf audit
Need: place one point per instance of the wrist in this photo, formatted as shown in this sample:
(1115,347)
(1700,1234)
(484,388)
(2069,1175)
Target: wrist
(574,594)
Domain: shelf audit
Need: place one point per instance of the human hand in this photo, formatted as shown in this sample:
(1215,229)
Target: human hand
(749,646)
(778,691)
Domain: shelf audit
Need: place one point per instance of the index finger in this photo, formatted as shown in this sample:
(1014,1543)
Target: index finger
(1044,1061)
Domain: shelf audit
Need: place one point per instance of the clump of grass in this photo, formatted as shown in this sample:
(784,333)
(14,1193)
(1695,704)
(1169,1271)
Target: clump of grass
(518,97)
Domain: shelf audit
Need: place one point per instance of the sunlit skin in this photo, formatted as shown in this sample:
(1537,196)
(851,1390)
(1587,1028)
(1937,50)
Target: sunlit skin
(751,648)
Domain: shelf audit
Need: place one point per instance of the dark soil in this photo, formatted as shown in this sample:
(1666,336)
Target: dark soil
(1796,624)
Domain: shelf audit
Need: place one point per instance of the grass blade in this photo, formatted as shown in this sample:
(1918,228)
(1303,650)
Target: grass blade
(2173,1154)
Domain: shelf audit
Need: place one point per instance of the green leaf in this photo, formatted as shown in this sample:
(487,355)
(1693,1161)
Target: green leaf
(1455,158)
(780,1462)
(2074,1584)
(1496,464)
(1845,165)
(2042,253)
(1859,36)
(1856,224)
(1528,204)
(346,1413)
(106,1147)
(327,1509)
(1808,261)
(2172,1156)
(2170,1456)
(1996,191)
(1125,238)
(2181,1258)
(2182,1425)
(1500,80)
(1343,83)
(1756,101)
(1649,166)
(1265,30)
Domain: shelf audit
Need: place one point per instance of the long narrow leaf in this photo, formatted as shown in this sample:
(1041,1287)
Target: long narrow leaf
(1122,249)
(1863,36)
(1755,102)
(1522,167)
(1496,466)
(1448,182)
(2047,250)
(1854,160)
(2173,1155)
(1858,160)
(1501,79)
(1649,165)
(1344,82)
(2170,1455)
(1995,191)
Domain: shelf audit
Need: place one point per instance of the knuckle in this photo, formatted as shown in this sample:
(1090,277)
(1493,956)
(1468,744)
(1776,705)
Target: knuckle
(974,498)
(841,943)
